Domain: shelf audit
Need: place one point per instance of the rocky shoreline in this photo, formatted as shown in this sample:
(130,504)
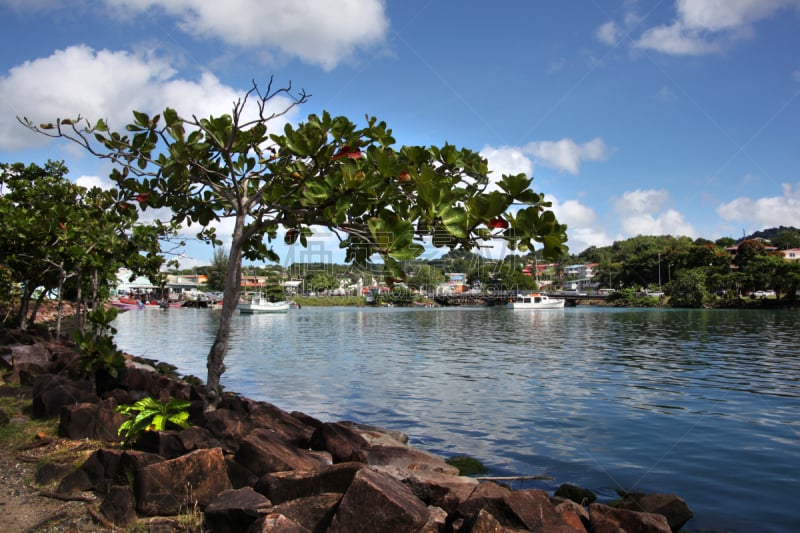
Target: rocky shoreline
(250,466)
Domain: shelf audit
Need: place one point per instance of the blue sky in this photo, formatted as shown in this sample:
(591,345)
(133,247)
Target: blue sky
(677,117)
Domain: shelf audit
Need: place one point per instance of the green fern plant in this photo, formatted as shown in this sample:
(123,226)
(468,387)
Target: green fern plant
(149,414)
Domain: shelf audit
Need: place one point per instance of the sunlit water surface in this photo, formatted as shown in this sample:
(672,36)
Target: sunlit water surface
(703,404)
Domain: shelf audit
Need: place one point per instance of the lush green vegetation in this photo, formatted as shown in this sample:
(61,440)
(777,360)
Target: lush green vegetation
(326,171)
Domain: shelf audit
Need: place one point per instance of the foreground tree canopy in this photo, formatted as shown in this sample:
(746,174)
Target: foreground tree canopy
(57,237)
(325,172)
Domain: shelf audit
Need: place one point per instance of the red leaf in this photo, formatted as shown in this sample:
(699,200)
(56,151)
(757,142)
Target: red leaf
(142,197)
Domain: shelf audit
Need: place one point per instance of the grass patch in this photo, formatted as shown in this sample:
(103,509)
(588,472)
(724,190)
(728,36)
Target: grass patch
(329,301)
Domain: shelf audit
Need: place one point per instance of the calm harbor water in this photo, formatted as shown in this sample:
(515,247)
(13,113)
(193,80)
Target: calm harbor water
(701,403)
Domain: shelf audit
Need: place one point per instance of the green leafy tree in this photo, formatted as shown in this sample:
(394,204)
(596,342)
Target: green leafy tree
(53,231)
(688,288)
(322,282)
(426,278)
(216,271)
(326,171)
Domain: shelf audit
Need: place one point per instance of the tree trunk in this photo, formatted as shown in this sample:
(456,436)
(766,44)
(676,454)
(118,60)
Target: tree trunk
(37,304)
(22,319)
(230,299)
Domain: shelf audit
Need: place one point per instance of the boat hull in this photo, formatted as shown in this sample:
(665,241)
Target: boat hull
(262,308)
(536,301)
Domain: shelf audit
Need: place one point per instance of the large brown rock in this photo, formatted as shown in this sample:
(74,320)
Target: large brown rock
(119,506)
(672,507)
(378,503)
(52,392)
(313,513)
(434,488)
(283,486)
(404,457)
(28,361)
(342,442)
(262,452)
(289,428)
(235,510)
(229,426)
(529,510)
(276,523)
(90,421)
(176,485)
(605,519)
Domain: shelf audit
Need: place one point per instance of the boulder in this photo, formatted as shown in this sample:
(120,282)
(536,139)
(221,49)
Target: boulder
(287,427)
(118,506)
(342,442)
(605,519)
(51,472)
(404,457)
(90,421)
(437,520)
(391,505)
(313,513)
(172,486)
(283,486)
(34,357)
(262,452)
(672,507)
(537,513)
(276,523)
(229,426)
(525,509)
(235,510)
(52,392)
(434,488)
(484,522)
(99,472)
(378,436)
(573,514)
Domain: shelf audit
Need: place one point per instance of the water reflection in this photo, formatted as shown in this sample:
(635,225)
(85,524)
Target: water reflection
(705,404)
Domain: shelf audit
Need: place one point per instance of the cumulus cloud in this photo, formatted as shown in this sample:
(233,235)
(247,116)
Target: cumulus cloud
(608,33)
(582,226)
(566,154)
(320,33)
(703,27)
(506,160)
(644,212)
(104,84)
(766,212)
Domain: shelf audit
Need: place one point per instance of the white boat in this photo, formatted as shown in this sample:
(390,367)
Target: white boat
(536,301)
(259,304)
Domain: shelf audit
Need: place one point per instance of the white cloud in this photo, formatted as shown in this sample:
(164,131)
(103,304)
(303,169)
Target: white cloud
(705,26)
(104,84)
(320,33)
(582,227)
(676,39)
(642,212)
(566,154)
(94,181)
(506,160)
(608,33)
(723,15)
(766,212)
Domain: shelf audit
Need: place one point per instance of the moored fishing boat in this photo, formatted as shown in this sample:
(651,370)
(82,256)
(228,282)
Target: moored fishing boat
(258,304)
(536,301)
